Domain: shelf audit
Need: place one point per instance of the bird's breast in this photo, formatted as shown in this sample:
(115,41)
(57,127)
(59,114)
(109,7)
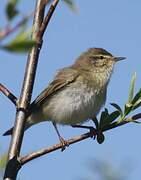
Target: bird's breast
(74,104)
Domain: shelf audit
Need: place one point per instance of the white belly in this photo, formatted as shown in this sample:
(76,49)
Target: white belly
(73,106)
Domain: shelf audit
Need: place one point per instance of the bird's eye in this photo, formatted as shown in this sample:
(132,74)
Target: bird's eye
(101,57)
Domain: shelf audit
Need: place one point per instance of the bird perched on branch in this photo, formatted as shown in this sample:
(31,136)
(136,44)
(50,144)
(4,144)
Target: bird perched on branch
(77,92)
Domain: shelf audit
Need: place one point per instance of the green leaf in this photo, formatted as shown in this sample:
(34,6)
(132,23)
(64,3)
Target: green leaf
(11,10)
(127,108)
(103,118)
(100,138)
(71,5)
(137,96)
(132,88)
(113,116)
(117,107)
(19,46)
(21,43)
(23,35)
(137,104)
(110,118)
(122,118)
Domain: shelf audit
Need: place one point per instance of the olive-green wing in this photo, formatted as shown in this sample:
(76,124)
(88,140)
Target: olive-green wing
(64,77)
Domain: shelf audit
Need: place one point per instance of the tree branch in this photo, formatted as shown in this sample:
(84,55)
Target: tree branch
(8,94)
(23,160)
(47,18)
(25,97)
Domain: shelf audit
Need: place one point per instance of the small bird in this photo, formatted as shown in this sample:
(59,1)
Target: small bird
(77,92)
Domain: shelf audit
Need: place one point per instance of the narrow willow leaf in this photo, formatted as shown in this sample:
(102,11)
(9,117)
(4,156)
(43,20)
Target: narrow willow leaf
(23,34)
(11,10)
(100,138)
(19,46)
(137,104)
(132,88)
(21,43)
(122,118)
(103,117)
(137,96)
(112,117)
(127,109)
(117,107)
(71,5)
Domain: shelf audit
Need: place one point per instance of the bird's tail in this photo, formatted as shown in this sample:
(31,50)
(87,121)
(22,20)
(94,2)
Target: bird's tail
(31,120)
(9,132)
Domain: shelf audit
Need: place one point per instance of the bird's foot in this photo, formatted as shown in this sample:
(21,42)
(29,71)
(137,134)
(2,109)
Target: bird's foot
(64,143)
(93,132)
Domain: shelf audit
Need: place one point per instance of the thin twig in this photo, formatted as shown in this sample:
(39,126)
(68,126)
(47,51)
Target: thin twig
(23,160)
(125,121)
(8,94)
(8,30)
(47,18)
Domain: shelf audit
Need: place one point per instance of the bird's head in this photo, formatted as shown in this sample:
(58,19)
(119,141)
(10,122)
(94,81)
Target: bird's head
(98,63)
(98,60)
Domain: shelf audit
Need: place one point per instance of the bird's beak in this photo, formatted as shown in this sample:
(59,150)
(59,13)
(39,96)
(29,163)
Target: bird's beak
(118,58)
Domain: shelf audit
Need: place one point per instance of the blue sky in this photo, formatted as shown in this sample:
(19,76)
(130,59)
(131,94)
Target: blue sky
(113,25)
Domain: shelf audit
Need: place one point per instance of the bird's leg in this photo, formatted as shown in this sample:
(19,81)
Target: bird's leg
(63,142)
(95,121)
(93,131)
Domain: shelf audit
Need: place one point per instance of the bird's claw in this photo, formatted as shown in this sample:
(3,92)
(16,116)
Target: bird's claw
(93,132)
(64,144)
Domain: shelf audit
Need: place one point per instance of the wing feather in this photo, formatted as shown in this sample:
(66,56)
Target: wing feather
(63,78)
